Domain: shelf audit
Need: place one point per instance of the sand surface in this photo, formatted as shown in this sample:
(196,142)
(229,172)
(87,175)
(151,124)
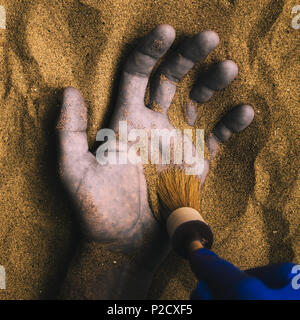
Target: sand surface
(250,198)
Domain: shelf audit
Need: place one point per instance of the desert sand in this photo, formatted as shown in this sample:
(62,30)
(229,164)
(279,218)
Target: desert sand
(251,196)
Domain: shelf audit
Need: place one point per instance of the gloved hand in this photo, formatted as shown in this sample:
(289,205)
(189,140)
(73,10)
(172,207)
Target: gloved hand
(219,279)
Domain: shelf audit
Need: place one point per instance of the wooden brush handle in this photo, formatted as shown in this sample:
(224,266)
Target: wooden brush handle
(185,226)
(195,245)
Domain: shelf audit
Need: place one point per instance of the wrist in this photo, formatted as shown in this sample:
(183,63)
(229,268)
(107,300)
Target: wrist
(134,281)
(96,273)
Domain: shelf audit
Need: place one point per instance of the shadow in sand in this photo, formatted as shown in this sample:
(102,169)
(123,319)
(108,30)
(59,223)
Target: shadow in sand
(50,177)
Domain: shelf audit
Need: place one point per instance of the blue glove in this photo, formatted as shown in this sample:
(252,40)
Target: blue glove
(219,279)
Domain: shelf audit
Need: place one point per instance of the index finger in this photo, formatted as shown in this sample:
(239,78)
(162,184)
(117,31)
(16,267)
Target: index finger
(141,62)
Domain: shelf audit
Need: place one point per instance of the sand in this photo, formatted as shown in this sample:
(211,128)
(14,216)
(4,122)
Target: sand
(250,197)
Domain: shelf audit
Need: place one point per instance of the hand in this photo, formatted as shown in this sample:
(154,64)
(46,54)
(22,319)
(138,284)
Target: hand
(112,200)
(221,280)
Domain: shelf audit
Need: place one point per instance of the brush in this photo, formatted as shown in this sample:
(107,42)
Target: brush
(179,197)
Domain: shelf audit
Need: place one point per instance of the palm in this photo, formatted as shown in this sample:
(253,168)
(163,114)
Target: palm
(112,200)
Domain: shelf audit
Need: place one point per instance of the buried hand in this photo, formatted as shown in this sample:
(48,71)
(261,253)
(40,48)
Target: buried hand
(111,199)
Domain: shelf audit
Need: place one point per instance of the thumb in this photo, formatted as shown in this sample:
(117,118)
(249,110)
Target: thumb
(72,139)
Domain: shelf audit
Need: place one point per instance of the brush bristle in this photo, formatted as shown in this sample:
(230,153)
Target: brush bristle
(176,190)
